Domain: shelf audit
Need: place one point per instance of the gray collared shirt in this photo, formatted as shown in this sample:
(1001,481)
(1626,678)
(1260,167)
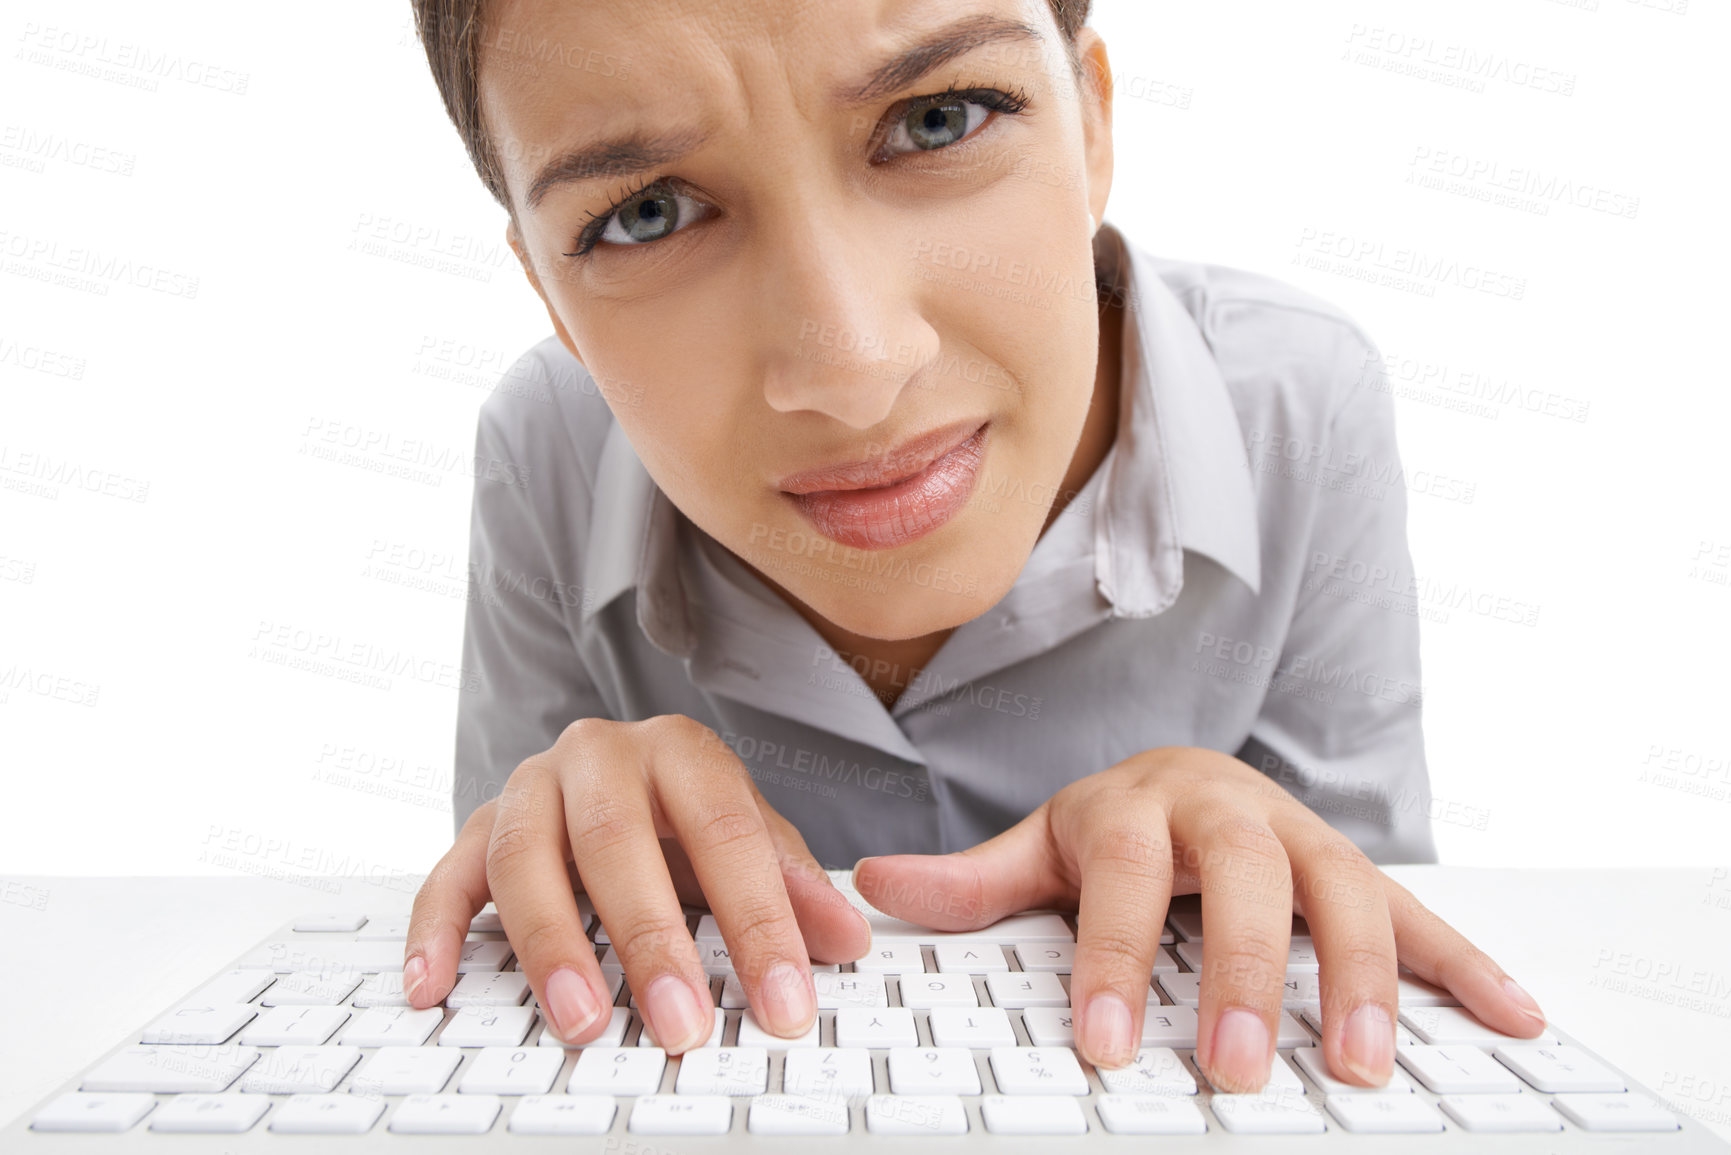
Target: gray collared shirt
(1235,575)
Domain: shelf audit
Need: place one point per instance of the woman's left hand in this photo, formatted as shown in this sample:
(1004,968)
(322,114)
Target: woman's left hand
(1117,845)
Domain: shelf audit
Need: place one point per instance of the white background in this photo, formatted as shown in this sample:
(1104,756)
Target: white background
(139,728)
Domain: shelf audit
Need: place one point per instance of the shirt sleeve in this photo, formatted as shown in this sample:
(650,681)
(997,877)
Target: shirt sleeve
(529,681)
(1340,726)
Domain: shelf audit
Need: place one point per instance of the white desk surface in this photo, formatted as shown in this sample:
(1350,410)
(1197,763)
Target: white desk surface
(1634,963)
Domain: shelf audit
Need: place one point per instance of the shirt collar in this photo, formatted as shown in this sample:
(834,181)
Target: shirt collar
(1179,479)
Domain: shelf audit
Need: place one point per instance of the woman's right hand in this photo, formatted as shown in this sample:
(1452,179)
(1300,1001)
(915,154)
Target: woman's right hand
(641,816)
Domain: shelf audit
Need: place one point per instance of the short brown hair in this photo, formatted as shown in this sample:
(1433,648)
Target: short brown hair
(451,33)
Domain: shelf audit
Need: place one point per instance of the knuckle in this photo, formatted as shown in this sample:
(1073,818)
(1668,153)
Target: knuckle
(648,941)
(541,938)
(583,731)
(760,929)
(1130,845)
(508,849)
(601,823)
(725,830)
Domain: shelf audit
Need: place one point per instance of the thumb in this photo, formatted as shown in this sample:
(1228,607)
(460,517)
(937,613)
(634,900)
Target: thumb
(971,888)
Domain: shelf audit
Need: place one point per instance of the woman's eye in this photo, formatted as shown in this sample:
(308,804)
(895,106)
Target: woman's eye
(657,213)
(930,126)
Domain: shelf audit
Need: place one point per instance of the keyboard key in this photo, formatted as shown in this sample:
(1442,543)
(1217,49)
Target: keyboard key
(392,1027)
(1312,1063)
(200,1023)
(326,1115)
(1300,956)
(1038,1071)
(1372,1113)
(617,1071)
(796,1115)
(210,1114)
(883,1027)
(922,992)
(835,991)
(487,1027)
(1311,1013)
(512,1071)
(612,1036)
(1050,1026)
(723,1071)
(1164,1026)
(969,957)
(892,958)
(1058,957)
(384,989)
(646,1038)
(1265,1114)
(916,1115)
(841,1074)
(752,1034)
(978,1028)
(1444,1026)
(487,955)
(287,955)
(1415,992)
(681,1115)
(1026,927)
(1149,1115)
(1033,1115)
(286,1026)
(1282,1079)
(1556,1069)
(76,1111)
(1623,1112)
(328,923)
(299,1070)
(489,989)
(236,986)
(1018,989)
(445,1115)
(1156,1071)
(310,989)
(487,922)
(933,1071)
(406,1071)
(1458,1070)
(395,926)
(170,1069)
(1497,1113)
(563,1115)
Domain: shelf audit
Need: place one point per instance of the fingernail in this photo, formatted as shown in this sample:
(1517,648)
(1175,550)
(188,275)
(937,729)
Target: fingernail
(853,875)
(414,974)
(1240,1055)
(1367,1044)
(788,1002)
(1107,1029)
(571,1004)
(680,1022)
(1523,999)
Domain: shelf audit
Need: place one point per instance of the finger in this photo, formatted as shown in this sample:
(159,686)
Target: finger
(1246,888)
(834,932)
(1438,953)
(526,871)
(1340,894)
(971,888)
(713,810)
(610,818)
(454,892)
(1123,854)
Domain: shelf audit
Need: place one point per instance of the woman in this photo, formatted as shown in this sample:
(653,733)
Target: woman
(875,497)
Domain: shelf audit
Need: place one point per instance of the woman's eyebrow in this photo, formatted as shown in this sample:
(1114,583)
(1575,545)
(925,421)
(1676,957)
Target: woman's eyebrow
(635,152)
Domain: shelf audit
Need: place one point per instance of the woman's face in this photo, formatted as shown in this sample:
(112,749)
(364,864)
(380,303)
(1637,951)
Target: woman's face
(851,333)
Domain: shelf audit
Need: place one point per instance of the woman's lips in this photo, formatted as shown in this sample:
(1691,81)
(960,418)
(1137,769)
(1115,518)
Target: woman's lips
(892,515)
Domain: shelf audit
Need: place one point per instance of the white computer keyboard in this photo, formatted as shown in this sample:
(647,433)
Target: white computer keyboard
(931,1039)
